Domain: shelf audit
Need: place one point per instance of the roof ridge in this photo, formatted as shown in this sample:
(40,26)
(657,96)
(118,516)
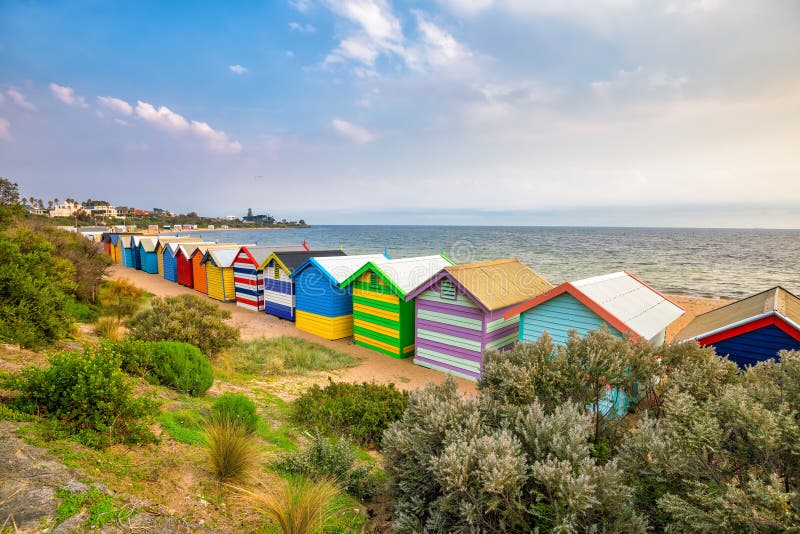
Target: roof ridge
(479,264)
(737,302)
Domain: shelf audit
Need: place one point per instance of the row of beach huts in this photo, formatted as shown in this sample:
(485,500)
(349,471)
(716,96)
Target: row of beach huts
(445,315)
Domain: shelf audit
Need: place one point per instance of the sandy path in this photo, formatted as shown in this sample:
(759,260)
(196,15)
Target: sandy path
(374,366)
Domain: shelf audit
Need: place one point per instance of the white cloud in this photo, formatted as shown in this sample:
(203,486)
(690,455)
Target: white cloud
(5,130)
(638,82)
(67,95)
(375,17)
(166,119)
(437,47)
(467,7)
(19,99)
(115,104)
(237,69)
(357,48)
(353,132)
(661,79)
(302,28)
(301,5)
(688,7)
(122,122)
(289,53)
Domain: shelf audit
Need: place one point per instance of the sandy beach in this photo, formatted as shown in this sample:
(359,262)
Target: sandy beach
(374,366)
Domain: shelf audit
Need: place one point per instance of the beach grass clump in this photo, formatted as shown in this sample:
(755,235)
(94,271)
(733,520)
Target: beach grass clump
(188,319)
(108,328)
(230,449)
(359,411)
(276,356)
(298,505)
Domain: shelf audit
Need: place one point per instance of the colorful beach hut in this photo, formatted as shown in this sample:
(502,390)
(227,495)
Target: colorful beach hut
(147,254)
(128,250)
(279,292)
(619,301)
(219,273)
(137,253)
(116,248)
(322,307)
(199,268)
(249,274)
(383,320)
(106,239)
(162,251)
(750,330)
(183,262)
(460,313)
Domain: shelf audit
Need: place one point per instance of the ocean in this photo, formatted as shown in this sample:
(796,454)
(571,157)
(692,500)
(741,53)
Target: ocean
(699,262)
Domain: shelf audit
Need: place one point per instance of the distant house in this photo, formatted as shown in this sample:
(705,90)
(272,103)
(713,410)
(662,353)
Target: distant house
(750,330)
(231,218)
(460,313)
(65,209)
(102,211)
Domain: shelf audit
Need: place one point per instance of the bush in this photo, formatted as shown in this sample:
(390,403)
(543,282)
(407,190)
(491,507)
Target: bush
(181,366)
(276,355)
(120,298)
(188,319)
(237,408)
(230,449)
(88,394)
(81,312)
(108,328)
(332,461)
(360,411)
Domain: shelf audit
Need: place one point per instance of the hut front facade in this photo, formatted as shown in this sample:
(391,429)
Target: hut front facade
(127,250)
(249,274)
(323,307)
(162,250)
(460,313)
(383,320)
(183,262)
(199,268)
(147,254)
(116,248)
(219,273)
(279,292)
(619,302)
(750,330)
(137,257)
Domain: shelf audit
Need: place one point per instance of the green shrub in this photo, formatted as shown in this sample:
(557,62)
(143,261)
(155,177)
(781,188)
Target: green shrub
(88,394)
(360,411)
(274,356)
(230,449)
(237,408)
(188,319)
(181,366)
(80,312)
(137,356)
(120,298)
(333,461)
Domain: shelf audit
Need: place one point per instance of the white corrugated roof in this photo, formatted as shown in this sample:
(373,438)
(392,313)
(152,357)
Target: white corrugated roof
(408,273)
(187,248)
(340,268)
(643,309)
(148,243)
(223,257)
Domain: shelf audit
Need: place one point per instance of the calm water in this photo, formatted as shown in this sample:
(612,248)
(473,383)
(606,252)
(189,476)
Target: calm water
(706,262)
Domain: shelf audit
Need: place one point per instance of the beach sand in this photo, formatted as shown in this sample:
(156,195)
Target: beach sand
(374,366)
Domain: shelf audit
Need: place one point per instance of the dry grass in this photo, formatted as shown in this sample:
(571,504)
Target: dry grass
(277,356)
(298,505)
(109,328)
(231,451)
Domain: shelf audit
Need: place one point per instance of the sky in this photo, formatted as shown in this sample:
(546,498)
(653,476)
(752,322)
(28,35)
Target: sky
(518,112)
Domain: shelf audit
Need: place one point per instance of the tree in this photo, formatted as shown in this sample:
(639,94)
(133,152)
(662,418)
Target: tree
(9,192)
(120,298)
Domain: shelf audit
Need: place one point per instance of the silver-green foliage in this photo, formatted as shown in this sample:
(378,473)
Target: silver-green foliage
(706,448)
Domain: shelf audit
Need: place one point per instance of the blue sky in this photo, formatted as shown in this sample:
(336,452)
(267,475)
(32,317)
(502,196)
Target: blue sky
(601,112)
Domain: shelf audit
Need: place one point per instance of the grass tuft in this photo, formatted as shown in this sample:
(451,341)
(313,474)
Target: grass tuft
(183,425)
(279,355)
(108,328)
(298,505)
(231,451)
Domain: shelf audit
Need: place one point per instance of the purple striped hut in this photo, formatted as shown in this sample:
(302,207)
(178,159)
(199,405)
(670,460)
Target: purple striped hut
(459,313)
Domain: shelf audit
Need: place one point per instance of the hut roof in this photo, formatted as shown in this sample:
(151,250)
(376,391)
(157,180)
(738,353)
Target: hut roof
(620,299)
(186,248)
(291,260)
(148,243)
(338,268)
(259,254)
(494,284)
(202,248)
(404,274)
(775,301)
(221,257)
(162,241)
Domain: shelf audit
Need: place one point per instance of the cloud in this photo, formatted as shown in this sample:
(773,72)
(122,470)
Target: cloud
(237,69)
(289,53)
(302,6)
(2,99)
(467,7)
(122,122)
(115,104)
(302,28)
(638,82)
(166,119)
(5,130)
(353,132)
(437,47)
(20,100)
(688,7)
(67,95)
